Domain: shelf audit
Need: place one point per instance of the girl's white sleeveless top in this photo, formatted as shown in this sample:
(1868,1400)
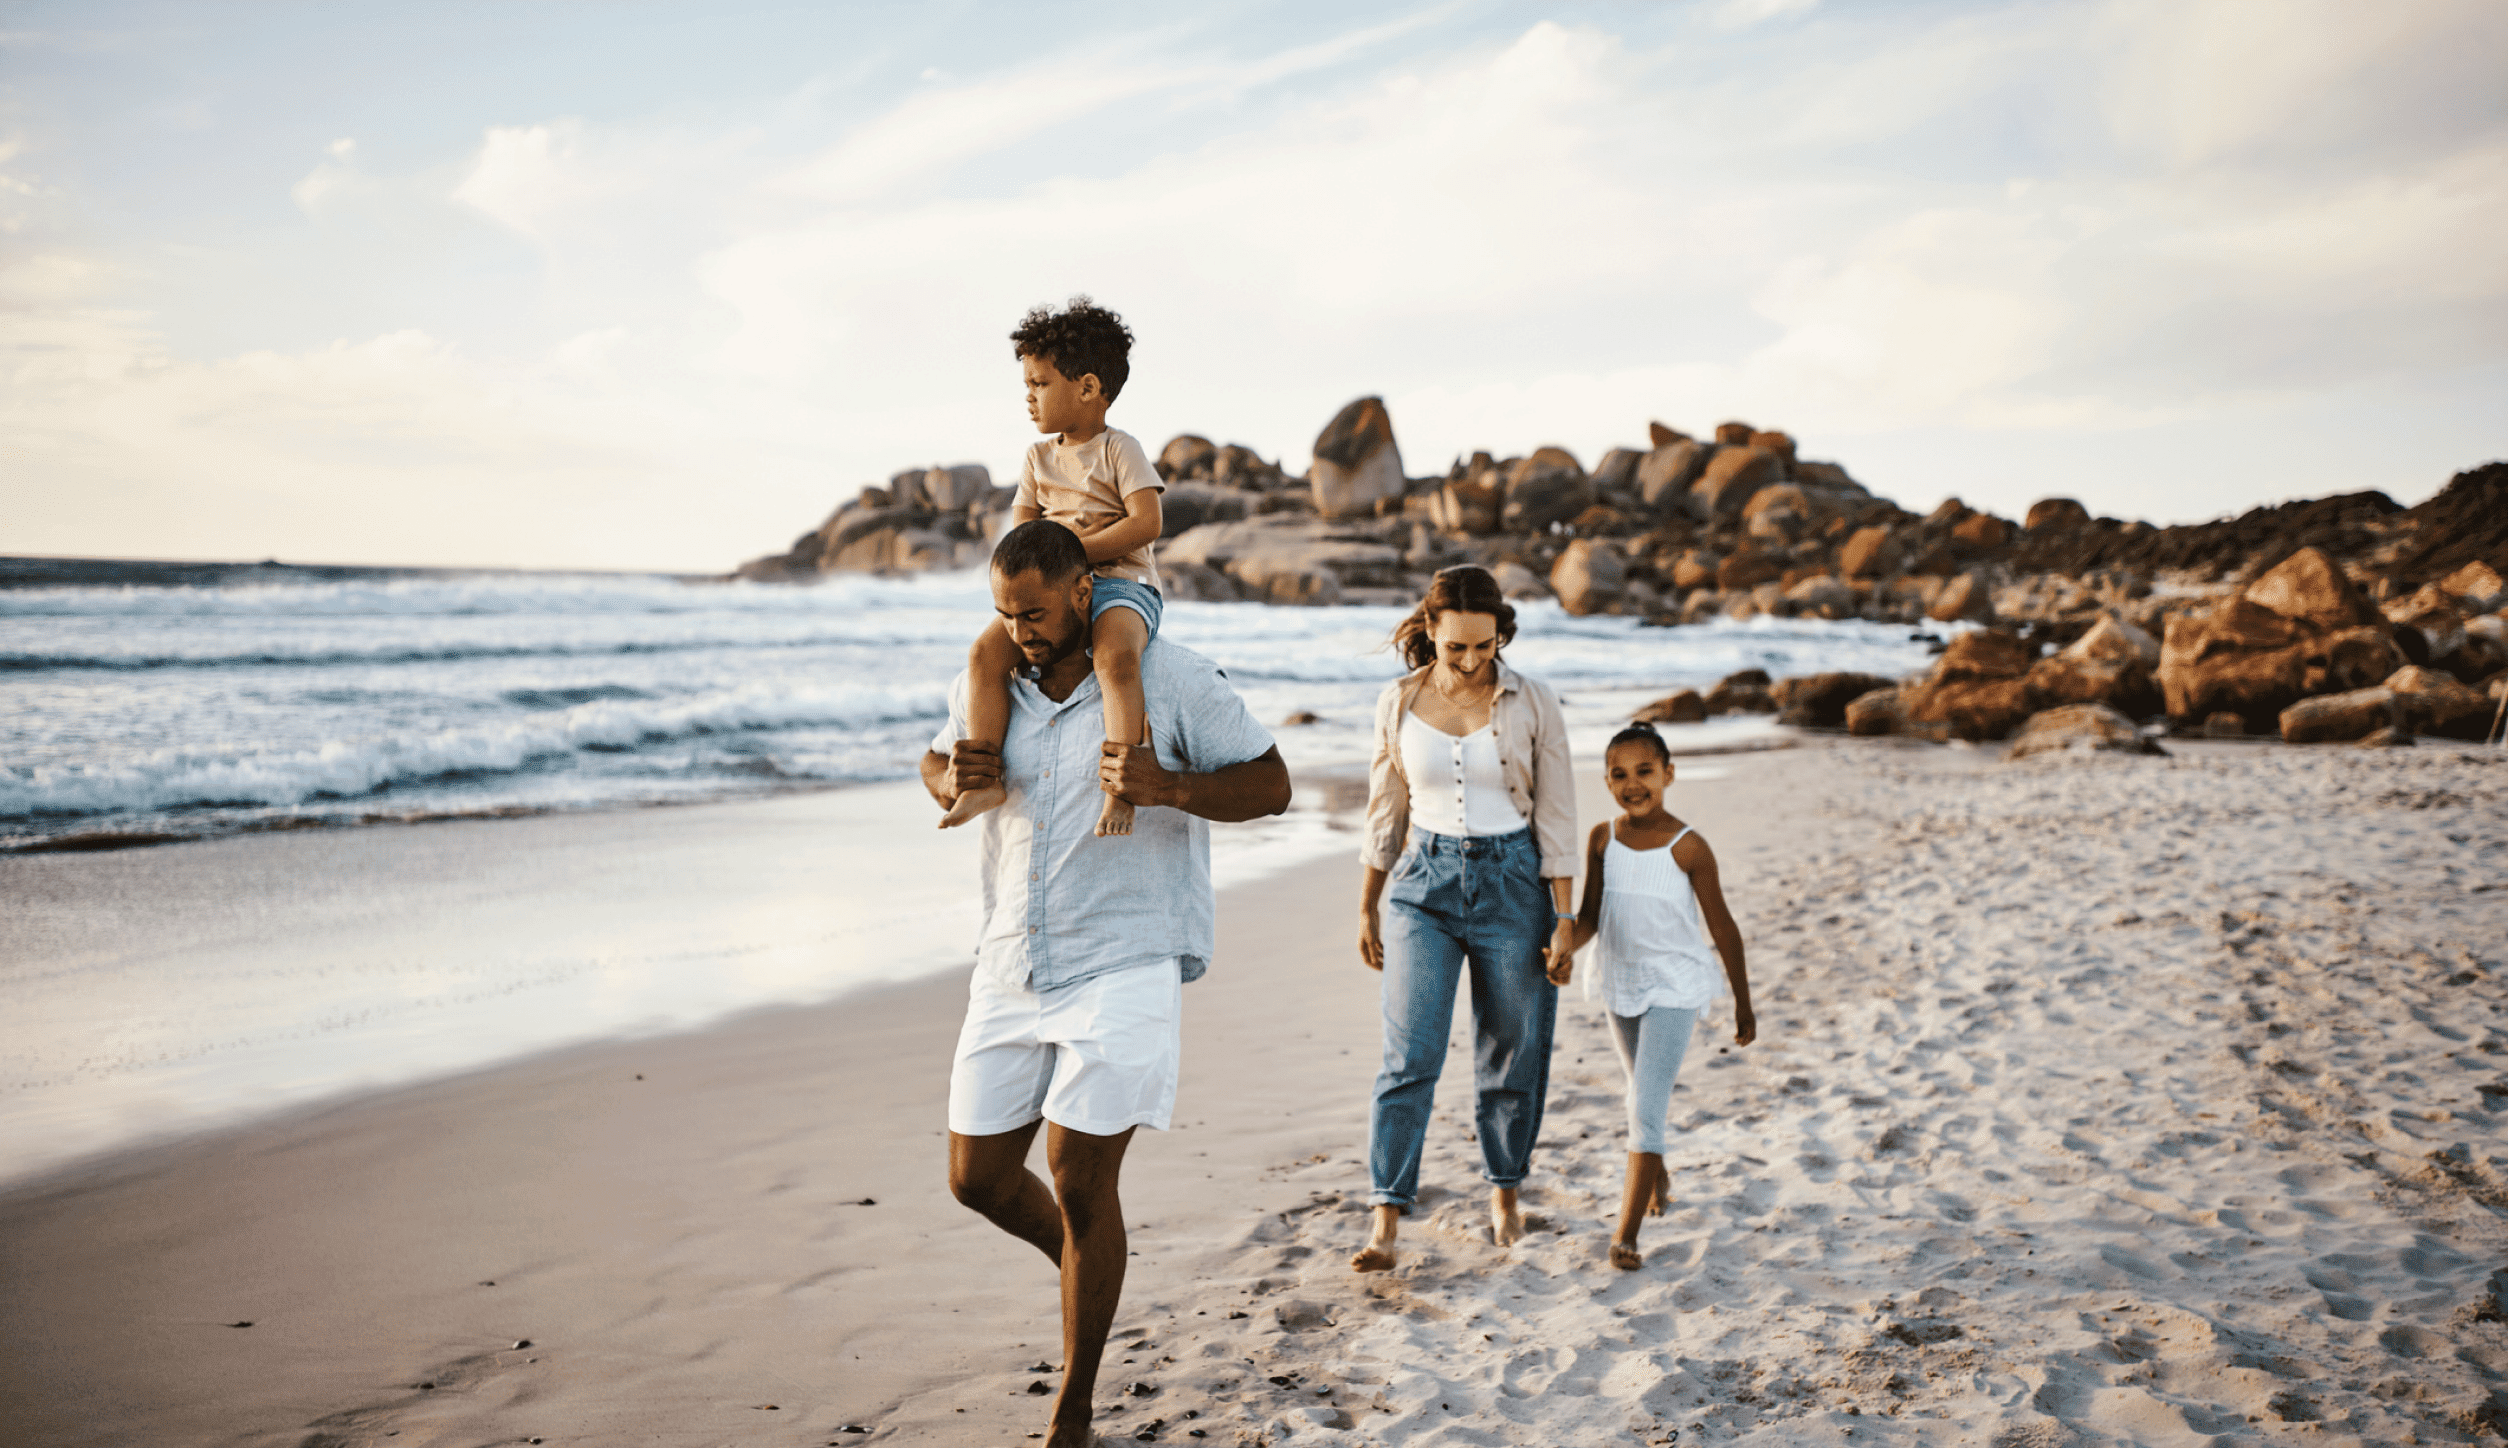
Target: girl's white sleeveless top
(1652,949)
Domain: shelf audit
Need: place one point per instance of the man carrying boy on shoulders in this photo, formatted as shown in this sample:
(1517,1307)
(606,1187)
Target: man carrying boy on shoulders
(1074,1014)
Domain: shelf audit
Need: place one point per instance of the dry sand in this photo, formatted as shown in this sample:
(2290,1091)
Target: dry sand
(2098,1100)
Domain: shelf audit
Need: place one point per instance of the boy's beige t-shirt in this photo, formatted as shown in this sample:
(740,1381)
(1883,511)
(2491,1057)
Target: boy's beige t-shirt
(1088,483)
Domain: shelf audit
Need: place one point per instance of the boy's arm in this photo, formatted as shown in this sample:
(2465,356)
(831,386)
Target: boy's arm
(1727,936)
(1024,513)
(1138,527)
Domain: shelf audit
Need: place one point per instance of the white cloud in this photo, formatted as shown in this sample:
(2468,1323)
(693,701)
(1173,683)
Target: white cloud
(1743,14)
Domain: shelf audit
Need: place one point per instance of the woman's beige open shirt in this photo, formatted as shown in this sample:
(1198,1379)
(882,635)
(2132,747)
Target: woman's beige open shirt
(1532,750)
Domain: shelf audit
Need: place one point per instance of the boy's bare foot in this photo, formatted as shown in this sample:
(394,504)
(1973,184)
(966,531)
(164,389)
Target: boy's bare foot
(975,802)
(1377,1255)
(1626,1257)
(1114,819)
(1506,1221)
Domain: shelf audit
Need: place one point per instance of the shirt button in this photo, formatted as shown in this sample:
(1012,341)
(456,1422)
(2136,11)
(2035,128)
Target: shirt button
(1033,875)
(1031,930)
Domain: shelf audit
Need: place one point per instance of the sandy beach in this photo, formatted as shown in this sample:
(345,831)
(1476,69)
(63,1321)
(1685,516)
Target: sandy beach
(2098,1100)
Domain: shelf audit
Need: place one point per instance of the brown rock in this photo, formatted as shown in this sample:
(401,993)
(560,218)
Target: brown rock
(1826,476)
(1617,472)
(2112,640)
(1185,456)
(2079,727)
(1868,554)
(1298,718)
(2435,703)
(1776,496)
(2308,587)
(1548,487)
(1356,461)
(1588,577)
(1657,435)
(2393,736)
(1963,597)
(1983,654)
(1734,434)
(1517,581)
(1747,569)
(1972,709)
(2224,725)
(1695,568)
(2339,718)
(1471,505)
(1875,712)
(1981,532)
(1685,707)
(2055,514)
(1822,596)
(2123,685)
(1195,583)
(1948,511)
(2243,658)
(1819,700)
(1742,693)
(1729,479)
(1665,475)
(2477,585)
(2433,613)
(1782,444)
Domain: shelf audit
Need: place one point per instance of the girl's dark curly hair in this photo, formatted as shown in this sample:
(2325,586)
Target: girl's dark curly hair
(1640,732)
(1468,588)
(1080,339)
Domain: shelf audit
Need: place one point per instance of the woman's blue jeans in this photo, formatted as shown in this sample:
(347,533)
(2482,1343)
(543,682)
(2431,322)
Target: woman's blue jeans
(1452,903)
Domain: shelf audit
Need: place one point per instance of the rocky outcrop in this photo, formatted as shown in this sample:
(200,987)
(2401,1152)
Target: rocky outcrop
(2339,718)
(1589,577)
(1684,707)
(938,517)
(1978,689)
(2300,630)
(1818,701)
(1546,488)
(1287,558)
(2434,703)
(2080,728)
(1357,465)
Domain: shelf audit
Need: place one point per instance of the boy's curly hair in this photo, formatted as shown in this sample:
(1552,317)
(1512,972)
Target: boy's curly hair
(1080,339)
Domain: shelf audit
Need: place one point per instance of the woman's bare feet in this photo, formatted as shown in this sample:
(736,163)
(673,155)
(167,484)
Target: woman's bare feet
(1115,818)
(1626,1257)
(1506,1221)
(974,802)
(1377,1255)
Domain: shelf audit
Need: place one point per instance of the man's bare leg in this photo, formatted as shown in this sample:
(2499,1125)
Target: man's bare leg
(990,1174)
(1506,1220)
(991,660)
(1377,1255)
(1086,1172)
(1115,644)
(1643,1197)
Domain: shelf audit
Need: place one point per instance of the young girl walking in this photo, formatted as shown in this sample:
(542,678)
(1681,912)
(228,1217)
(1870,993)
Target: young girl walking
(1653,901)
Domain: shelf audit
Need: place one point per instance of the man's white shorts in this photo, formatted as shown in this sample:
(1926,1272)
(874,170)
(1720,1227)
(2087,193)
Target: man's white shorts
(1098,1056)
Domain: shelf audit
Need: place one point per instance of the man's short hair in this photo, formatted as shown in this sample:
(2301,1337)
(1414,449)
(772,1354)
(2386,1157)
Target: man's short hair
(1043,547)
(1080,339)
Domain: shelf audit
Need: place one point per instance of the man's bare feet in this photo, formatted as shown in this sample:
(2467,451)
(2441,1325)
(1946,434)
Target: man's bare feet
(1114,819)
(1626,1257)
(1377,1255)
(1506,1221)
(974,802)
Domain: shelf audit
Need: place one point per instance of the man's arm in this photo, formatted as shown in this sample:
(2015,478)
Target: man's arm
(1258,787)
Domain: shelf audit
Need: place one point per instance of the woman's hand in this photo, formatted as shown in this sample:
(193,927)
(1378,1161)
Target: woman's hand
(1560,958)
(1371,940)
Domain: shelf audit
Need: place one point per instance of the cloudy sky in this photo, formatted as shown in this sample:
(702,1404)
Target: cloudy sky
(656,285)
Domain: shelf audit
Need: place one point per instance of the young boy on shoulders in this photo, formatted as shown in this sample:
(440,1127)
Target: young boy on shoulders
(1098,482)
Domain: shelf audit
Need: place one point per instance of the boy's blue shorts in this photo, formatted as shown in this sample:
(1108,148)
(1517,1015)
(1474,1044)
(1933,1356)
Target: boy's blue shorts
(1106,593)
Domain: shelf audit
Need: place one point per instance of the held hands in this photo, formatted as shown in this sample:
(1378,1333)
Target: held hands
(1559,958)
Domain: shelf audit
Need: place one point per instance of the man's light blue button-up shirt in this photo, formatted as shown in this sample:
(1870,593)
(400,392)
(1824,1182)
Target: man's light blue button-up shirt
(1062,905)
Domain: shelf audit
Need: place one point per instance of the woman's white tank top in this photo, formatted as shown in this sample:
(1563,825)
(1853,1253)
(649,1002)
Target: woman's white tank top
(1652,949)
(1458,786)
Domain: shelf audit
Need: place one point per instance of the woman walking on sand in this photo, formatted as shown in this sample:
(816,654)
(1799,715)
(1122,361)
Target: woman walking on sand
(1469,860)
(1654,900)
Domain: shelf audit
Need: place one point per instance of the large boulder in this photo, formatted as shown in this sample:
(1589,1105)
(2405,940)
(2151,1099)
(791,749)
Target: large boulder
(1869,553)
(1821,596)
(2339,718)
(1746,692)
(1515,581)
(1287,558)
(954,489)
(1695,568)
(1665,475)
(1978,689)
(1589,577)
(1965,597)
(1186,456)
(1658,434)
(1684,707)
(2442,704)
(1876,712)
(2476,587)
(1729,479)
(2079,727)
(1545,488)
(1357,464)
(1734,434)
(2434,616)
(1189,505)
(1471,504)
(1819,701)
(1780,443)
(2111,665)
(1981,532)
(2054,514)
(1617,472)
(1748,569)
(2308,587)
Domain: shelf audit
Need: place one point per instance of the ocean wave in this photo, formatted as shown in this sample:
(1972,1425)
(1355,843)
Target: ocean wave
(496,594)
(344,768)
(317,656)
